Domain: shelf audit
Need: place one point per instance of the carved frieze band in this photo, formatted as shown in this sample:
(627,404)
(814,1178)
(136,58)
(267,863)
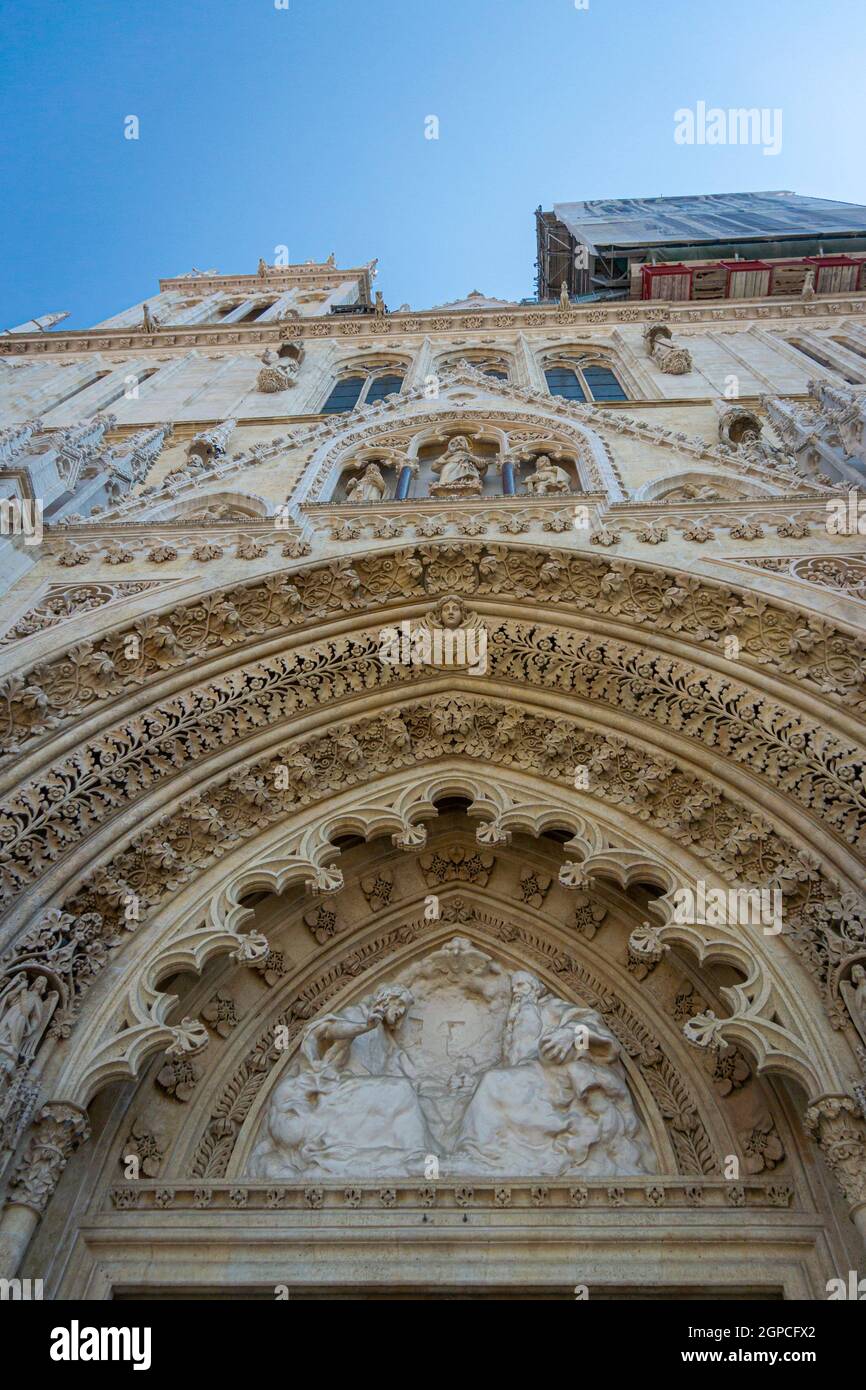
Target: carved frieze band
(822,926)
(799,646)
(48,815)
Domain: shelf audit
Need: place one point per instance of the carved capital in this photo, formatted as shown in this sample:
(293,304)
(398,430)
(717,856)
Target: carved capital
(55,1135)
(837,1125)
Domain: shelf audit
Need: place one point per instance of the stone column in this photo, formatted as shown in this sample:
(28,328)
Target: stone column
(506,463)
(837,1125)
(54,1136)
(404,481)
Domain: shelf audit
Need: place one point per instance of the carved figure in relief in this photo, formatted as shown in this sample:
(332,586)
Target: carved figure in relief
(348,1107)
(669,358)
(277,374)
(369,487)
(853,991)
(559,1104)
(463,1060)
(26,1007)
(547,478)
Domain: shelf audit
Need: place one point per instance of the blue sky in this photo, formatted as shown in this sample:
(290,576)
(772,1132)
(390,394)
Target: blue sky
(305,126)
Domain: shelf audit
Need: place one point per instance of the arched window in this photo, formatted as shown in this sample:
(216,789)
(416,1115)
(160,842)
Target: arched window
(344,396)
(564,381)
(602,384)
(359,389)
(382,386)
(576,382)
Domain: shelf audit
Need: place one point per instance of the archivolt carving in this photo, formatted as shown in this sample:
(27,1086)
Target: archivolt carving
(822,927)
(801,646)
(844,573)
(755,1004)
(145,1008)
(676,1104)
(796,755)
(64,601)
(698,485)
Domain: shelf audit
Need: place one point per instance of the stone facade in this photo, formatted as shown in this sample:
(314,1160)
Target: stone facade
(296,698)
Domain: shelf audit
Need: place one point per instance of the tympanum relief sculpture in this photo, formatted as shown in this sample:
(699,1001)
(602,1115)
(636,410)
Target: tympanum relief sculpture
(459,1059)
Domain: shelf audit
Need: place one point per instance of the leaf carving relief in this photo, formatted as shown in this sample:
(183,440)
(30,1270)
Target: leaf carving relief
(803,647)
(823,926)
(796,755)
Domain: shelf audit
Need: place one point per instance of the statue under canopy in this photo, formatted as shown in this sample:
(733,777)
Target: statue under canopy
(547,478)
(26,1006)
(368,487)
(459,472)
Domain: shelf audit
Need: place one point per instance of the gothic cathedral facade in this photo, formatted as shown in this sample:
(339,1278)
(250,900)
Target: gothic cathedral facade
(434,813)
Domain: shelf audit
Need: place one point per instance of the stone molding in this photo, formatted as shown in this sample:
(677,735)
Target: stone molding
(368,329)
(771,634)
(678,1193)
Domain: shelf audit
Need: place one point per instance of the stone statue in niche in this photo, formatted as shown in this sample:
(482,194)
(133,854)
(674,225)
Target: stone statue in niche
(26,1006)
(458,471)
(853,992)
(462,1060)
(369,487)
(547,478)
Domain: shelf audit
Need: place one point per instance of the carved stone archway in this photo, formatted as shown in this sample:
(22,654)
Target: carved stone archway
(611,685)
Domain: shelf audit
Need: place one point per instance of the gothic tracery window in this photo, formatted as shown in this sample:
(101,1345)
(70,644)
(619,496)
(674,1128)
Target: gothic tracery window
(362,388)
(576,380)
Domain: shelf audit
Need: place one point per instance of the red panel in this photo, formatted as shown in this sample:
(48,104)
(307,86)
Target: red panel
(649,273)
